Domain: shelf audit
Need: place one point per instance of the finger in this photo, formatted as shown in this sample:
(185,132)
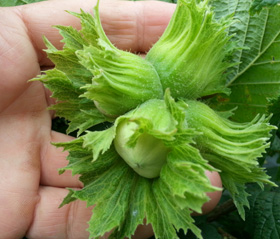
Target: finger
(20,144)
(215,197)
(53,159)
(143,231)
(69,222)
(133,26)
(18,59)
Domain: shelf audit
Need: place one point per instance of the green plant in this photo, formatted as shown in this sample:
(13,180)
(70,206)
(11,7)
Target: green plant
(187,74)
(10,3)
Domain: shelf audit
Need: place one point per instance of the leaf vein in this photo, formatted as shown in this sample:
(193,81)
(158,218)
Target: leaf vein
(257,57)
(243,42)
(247,104)
(256,83)
(266,62)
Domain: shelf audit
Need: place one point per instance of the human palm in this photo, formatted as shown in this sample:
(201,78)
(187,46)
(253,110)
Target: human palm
(31,189)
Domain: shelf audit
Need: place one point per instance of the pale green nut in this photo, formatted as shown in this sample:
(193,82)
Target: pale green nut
(140,142)
(148,155)
(145,136)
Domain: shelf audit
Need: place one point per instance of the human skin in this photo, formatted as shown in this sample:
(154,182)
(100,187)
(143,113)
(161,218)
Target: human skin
(31,189)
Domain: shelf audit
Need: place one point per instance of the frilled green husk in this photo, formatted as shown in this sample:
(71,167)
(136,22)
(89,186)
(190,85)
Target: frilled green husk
(190,57)
(145,136)
(115,80)
(94,81)
(141,142)
(166,199)
(233,148)
(121,81)
(195,139)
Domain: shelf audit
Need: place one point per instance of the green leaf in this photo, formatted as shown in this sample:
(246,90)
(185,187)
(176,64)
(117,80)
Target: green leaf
(274,108)
(262,221)
(112,203)
(164,213)
(185,163)
(61,86)
(31,1)
(82,115)
(10,3)
(99,141)
(258,5)
(138,201)
(237,191)
(69,198)
(70,105)
(210,232)
(66,61)
(72,38)
(128,198)
(256,79)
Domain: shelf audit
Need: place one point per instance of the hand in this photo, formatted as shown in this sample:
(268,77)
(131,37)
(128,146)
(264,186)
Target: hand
(31,189)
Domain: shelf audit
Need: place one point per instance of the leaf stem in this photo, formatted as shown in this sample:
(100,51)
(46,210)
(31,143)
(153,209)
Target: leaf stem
(223,209)
(225,234)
